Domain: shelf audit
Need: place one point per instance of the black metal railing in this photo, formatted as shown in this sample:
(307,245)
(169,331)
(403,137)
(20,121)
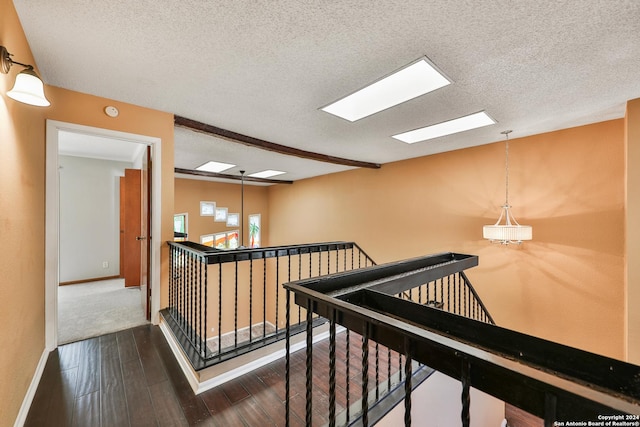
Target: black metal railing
(223,303)
(549,380)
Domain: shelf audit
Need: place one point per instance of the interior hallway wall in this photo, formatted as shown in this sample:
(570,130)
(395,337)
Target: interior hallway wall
(566,285)
(22,206)
(89,217)
(22,228)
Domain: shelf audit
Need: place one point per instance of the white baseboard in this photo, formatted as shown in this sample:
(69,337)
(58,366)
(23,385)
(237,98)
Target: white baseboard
(31,391)
(184,363)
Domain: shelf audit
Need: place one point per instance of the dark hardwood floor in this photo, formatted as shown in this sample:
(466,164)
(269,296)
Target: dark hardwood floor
(131,378)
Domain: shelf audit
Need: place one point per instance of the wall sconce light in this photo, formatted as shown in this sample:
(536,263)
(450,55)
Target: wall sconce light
(28,88)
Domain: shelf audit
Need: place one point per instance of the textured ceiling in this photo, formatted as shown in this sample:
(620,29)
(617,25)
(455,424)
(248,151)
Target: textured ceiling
(264,68)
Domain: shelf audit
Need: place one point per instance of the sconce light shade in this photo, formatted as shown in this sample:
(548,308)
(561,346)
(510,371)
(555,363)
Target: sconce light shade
(29,89)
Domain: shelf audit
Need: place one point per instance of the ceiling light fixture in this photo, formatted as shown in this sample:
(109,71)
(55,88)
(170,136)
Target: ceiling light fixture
(461,124)
(409,82)
(266,174)
(510,231)
(215,167)
(28,88)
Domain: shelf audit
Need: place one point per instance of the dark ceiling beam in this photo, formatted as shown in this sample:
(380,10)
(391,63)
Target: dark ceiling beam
(234,177)
(266,145)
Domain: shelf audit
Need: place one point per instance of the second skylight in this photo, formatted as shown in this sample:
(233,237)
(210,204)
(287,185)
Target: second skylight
(415,79)
(215,167)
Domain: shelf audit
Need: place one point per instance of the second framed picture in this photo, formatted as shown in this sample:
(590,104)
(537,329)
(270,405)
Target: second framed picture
(221,215)
(233,220)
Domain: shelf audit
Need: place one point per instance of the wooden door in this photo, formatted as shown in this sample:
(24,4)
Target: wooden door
(130,227)
(145,237)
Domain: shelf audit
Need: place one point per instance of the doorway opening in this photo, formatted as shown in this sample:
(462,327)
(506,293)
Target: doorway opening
(83,226)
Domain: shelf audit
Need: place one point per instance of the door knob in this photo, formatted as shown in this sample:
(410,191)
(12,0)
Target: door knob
(141,238)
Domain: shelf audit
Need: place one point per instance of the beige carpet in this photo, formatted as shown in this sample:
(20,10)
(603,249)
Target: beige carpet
(97,308)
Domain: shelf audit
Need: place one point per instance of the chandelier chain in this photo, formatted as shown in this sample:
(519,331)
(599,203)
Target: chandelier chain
(506,167)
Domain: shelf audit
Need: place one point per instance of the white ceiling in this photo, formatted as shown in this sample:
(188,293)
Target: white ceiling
(264,68)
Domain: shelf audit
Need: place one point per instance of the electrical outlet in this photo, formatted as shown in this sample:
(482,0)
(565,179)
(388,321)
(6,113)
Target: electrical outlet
(105,264)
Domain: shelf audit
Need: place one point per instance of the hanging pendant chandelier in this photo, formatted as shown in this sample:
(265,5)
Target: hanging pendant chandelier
(507,230)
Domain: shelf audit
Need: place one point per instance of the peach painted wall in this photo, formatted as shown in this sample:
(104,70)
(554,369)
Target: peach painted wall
(566,285)
(22,228)
(22,206)
(189,193)
(632,289)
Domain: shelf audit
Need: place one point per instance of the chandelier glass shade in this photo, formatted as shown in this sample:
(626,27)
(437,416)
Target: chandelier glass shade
(507,230)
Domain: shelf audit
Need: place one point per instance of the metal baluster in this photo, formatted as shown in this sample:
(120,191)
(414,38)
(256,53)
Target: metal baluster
(344,258)
(466,398)
(181,280)
(187,299)
(348,385)
(332,368)
(251,299)
(219,306)
(287,359)
(456,302)
(235,309)
(464,299)
(441,289)
(449,293)
(365,375)
(264,296)
(198,310)
(352,252)
(299,277)
(309,370)
(377,372)
(171,276)
(388,369)
(407,382)
(277,287)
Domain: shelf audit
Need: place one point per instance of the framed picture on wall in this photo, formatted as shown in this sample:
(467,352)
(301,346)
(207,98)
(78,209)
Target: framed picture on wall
(207,208)
(233,220)
(221,215)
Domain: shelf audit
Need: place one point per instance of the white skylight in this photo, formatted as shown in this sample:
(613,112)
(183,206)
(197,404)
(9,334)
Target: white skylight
(214,167)
(472,121)
(266,174)
(415,79)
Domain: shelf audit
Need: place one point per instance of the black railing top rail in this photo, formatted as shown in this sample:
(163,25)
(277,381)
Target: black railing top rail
(392,278)
(216,256)
(547,379)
